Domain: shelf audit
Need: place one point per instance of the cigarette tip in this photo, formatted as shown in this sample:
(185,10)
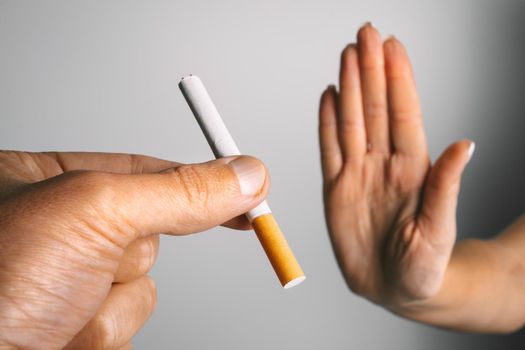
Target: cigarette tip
(295,282)
(188,77)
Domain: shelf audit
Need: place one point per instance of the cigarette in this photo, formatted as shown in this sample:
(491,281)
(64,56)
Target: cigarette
(221,142)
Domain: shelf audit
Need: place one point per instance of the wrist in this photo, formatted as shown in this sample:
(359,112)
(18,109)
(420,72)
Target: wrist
(482,291)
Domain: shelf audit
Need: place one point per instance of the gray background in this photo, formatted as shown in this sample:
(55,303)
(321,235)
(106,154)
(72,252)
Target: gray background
(102,76)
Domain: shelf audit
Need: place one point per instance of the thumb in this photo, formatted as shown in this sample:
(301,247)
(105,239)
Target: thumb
(441,192)
(181,200)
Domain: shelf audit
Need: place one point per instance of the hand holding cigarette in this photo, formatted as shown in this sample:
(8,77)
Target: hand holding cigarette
(79,233)
(221,142)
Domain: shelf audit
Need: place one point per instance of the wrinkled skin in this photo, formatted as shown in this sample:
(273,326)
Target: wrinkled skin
(79,232)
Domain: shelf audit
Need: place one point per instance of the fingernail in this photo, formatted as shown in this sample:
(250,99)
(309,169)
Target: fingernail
(250,173)
(369,23)
(391,37)
(471,150)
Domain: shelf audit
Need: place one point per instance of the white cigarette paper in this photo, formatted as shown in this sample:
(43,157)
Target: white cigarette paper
(222,144)
(216,133)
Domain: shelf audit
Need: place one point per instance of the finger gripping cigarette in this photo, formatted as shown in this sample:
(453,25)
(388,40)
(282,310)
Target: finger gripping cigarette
(270,235)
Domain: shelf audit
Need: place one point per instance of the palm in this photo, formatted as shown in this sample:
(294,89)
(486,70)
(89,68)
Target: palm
(378,219)
(388,212)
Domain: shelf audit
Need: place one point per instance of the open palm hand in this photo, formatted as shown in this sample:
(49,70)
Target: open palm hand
(390,213)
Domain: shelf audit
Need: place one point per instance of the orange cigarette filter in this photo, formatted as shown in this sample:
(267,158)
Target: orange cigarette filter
(278,251)
(270,235)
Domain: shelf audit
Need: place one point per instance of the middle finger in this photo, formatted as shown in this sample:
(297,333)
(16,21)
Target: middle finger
(373,83)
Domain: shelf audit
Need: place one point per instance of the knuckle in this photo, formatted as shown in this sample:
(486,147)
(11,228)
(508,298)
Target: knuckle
(151,294)
(349,124)
(396,72)
(105,334)
(193,185)
(135,163)
(406,116)
(95,195)
(147,256)
(105,329)
(375,108)
(96,187)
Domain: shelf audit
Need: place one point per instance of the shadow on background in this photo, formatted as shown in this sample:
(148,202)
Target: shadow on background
(494,191)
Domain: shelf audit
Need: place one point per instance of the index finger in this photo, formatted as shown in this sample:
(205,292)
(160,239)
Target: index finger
(39,166)
(110,162)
